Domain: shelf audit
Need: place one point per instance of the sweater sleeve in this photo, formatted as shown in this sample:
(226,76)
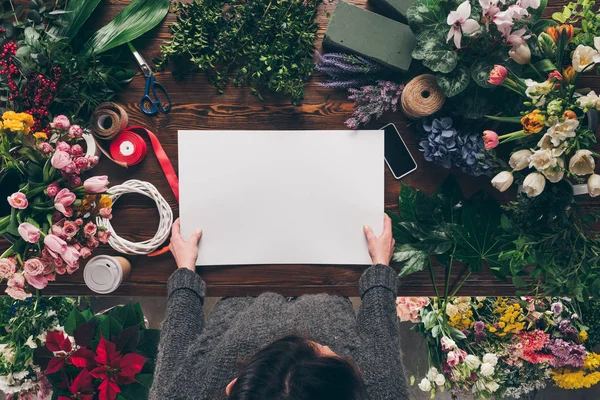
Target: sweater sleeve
(183,323)
(380,358)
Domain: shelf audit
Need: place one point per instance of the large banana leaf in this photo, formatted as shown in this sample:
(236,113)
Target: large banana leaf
(136,19)
(76,13)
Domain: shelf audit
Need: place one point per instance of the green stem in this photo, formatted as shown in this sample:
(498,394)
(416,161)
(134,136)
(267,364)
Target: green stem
(537,72)
(437,293)
(462,283)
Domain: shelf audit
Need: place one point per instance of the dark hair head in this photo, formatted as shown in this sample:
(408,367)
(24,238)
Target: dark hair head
(293,368)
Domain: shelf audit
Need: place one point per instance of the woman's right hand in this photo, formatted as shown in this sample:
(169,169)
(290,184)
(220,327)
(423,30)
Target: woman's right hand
(381,248)
(185,252)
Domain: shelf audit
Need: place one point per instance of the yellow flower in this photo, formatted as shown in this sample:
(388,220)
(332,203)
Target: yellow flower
(583,335)
(40,136)
(9,115)
(26,118)
(105,201)
(533,122)
(13,124)
(567,378)
(568,74)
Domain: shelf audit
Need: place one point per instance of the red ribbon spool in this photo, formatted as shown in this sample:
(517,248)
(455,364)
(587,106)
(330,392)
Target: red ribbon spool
(128,147)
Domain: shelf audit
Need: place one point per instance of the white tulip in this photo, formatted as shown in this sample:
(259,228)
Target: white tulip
(440,380)
(472,361)
(521,54)
(503,180)
(542,159)
(593,185)
(583,56)
(555,174)
(487,369)
(559,132)
(534,184)
(582,163)
(432,374)
(490,358)
(425,385)
(520,159)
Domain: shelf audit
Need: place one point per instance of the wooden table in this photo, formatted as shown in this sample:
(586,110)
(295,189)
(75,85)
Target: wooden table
(197,105)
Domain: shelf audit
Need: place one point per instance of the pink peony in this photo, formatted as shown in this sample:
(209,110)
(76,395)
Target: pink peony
(17,293)
(490,139)
(18,200)
(55,245)
(85,252)
(498,75)
(409,308)
(60,159)
(106,213)
(103,236)
(70,229)
(45,147)
(96,184)
(64,199)
(76,150)
(63,146)
(29,232)
(75,131)
(7,268)
(61,122)
(52,189)
(81,162)
(34,266)
(89,229)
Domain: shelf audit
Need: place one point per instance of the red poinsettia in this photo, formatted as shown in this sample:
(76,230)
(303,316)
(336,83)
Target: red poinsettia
(81,387)
(114,368)
(60,344)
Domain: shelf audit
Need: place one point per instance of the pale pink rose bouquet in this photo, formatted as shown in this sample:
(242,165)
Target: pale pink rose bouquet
(48,218)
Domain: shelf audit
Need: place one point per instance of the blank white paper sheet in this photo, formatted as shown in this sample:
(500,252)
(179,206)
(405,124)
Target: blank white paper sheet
(281,197)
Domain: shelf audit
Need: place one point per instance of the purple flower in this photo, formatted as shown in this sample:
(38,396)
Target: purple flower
(567,330)
(566,354)
(479,326)
(557,308)
(372,101)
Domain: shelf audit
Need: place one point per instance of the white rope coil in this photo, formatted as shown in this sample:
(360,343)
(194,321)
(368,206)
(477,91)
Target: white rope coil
(164,211)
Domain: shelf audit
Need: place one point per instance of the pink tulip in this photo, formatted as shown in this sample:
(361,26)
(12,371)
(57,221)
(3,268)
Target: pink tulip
(75,131)
(64,199)
(52,189)
(490,139)
(71,168)
(498,75)
(55,245)
(29,232)
(60,159)
(60,122)
(70,255)
(18,200)
(96,184)
(63,146)
(33,267)
(37,281)
(555,75)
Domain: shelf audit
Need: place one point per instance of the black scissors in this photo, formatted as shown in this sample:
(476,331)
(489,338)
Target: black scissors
(149,105)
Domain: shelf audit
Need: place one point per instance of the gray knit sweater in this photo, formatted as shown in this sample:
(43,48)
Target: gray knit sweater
(197,360)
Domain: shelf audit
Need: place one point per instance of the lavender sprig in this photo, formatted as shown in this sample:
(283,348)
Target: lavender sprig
(372,101)
(347,70)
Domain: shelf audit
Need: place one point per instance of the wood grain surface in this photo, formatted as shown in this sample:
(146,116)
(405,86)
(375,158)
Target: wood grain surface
(197,105)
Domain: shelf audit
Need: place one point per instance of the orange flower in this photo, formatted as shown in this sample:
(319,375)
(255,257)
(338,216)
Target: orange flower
(556,31)
(40,136)
(105,201)
(533,122)
(569,74)
(569,114)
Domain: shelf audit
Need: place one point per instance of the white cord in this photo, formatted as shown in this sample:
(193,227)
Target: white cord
(164,210)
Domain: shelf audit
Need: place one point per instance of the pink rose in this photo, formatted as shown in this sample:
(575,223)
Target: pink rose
(81,162)
(63,146)
(79,221)
(106,213)
(52,189)
(76,150)
(453,359)
(60,159)
(33,267)
(70,229)
(49,267)
(61,270)
(92,242)
(103,236)
(75,131)
(409,308)
(64,199)
(45,147)
(58,231)
(55,245)
(498,75)
(29,232)
(71,256)
(61,122)
(89,229)
(74,181)
(7,268)
(18,200)
(17,293)
(93,160)
(72,268)
(85,252)
(17,280)
(490,139)
(58,262)
(71,168)
(96,184)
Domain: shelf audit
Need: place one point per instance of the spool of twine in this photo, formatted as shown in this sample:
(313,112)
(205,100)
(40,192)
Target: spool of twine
(422,97)
(108,120)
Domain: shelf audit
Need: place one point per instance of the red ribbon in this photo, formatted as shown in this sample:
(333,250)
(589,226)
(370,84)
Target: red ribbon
(129,148)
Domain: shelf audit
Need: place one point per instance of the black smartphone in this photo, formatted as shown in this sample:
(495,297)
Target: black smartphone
(397,156)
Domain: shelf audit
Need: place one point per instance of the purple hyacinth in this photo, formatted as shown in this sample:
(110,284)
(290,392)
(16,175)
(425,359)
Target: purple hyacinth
(372,101)
(566,354)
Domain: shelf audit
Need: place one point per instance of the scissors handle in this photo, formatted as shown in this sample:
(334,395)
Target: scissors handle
(151,106)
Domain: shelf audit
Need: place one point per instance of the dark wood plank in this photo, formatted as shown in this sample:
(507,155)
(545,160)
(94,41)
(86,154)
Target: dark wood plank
(196,104)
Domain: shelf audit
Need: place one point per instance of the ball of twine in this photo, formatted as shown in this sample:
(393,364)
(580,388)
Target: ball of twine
(422,97)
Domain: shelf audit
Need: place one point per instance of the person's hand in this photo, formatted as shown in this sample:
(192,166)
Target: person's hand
(381,248)
(185,252)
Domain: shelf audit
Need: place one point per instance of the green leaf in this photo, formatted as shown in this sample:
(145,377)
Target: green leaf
(108,327)
(148,346)
(425,14)
(74,320)
(515,120)
(407,201)
(136,19)
(456,334)
(545,65)
(536,14)
(78,12)
(435,53)
(480,72)
(32,37)
(414,260)
(145,380)
(454,83)
(435,332)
